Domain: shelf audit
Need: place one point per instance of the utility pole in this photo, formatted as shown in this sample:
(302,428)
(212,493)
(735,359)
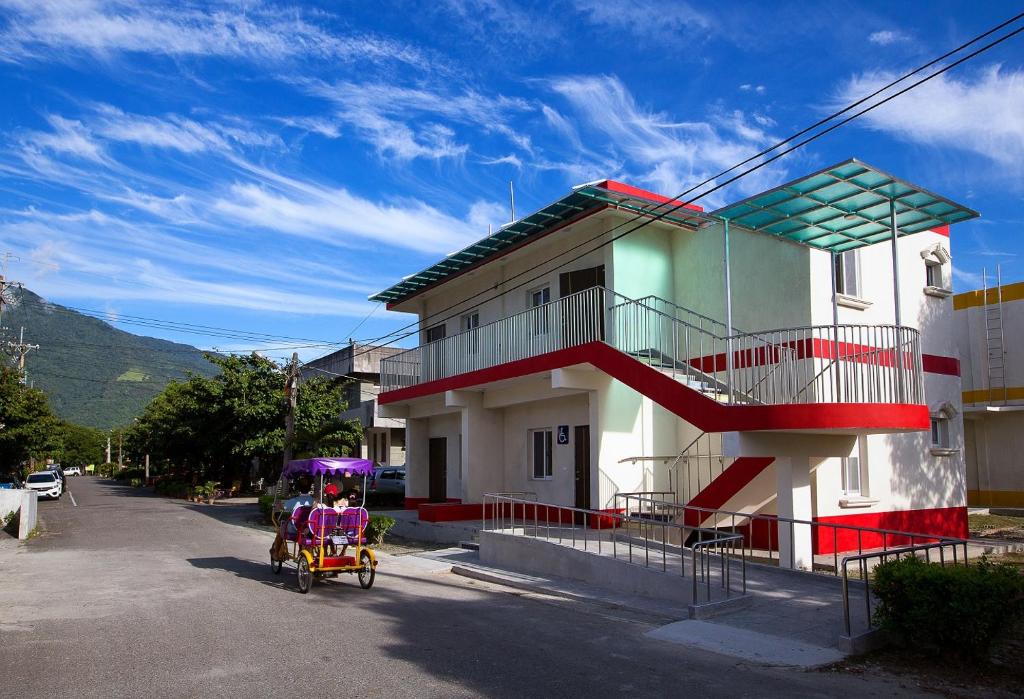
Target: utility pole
(108,448)
(120,443)
(19,349)
(291,392)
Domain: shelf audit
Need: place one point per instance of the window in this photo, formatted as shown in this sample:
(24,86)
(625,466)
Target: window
(471,321)
(940,431)
(436,332)
(937,264)
(540,454)
(848,273)
(933,274)
(851,475)
(539,297)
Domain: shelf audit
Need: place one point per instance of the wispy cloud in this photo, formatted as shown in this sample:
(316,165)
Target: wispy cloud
(885,37)
(646,19)
(963,278)
(670,154)
(250,30)
(406,123)
(748,87)
(982,114)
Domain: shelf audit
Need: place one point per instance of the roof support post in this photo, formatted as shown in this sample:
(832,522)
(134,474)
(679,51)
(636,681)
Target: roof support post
(835,329)
(896,298)
(728,313)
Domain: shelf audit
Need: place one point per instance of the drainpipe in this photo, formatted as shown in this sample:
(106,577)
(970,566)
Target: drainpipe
(835,329)
(728,315)
(896,298)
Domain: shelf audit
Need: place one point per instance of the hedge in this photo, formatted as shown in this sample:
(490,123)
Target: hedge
(948,610)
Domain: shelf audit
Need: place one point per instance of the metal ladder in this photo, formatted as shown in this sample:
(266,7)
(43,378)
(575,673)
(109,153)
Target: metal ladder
(994,345)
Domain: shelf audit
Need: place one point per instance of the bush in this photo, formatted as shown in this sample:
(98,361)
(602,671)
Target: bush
(960,610)
(377,528)
(129,474)
(172,487)
(135,482)
(266,507)
(106,469)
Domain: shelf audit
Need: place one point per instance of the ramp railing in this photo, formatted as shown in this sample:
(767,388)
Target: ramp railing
(636,540)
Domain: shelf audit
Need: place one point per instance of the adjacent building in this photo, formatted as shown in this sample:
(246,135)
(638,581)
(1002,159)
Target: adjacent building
(383,437)
(990,327)
(782,355)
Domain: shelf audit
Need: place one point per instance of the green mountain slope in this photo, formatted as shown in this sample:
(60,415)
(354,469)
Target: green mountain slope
(93,373)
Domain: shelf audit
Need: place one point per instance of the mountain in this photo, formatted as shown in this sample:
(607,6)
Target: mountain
(93,373)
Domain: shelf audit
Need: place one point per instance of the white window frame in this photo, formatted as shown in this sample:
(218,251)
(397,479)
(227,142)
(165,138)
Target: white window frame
(937,261)
(940,435)
(939,431)
(547,470)
(855,464)
(845,275)
(539,324)
(471,321)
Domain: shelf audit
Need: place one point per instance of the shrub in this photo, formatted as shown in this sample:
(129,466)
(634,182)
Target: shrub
(106,469)
(959,610)
(135,482)
(130,474)
(266,507)
(377,528)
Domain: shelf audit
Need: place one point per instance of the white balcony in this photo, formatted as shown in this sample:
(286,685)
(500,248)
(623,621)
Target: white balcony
(814,364)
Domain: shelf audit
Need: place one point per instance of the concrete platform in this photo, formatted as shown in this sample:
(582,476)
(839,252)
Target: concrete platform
(409,526)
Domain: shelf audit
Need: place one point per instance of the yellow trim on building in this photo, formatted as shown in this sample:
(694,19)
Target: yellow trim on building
(1011,292)
(995,395)
(995,498)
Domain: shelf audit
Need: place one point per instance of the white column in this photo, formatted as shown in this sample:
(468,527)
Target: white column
(793,477)
(417,458)
(482,466)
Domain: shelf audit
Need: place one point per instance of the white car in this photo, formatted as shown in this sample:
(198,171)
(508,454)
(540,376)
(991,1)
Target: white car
(46,483)
(73,471)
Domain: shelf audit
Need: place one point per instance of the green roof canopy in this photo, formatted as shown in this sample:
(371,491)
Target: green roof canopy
(843,207)
(582,199)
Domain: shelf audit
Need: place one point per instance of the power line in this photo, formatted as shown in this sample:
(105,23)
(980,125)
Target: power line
(397,335)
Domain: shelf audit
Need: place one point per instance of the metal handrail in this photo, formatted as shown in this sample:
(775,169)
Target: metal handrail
(768,367)
(503,511)
(705,513)
(863,558)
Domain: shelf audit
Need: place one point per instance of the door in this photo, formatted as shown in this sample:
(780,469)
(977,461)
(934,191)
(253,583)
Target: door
(433,359)
(583,317)
(581,447)
(438,466)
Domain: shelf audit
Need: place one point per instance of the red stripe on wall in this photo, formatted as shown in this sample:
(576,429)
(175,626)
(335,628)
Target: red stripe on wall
(942,230)
(942,521)
(937,364)
(623,188)
(697,409)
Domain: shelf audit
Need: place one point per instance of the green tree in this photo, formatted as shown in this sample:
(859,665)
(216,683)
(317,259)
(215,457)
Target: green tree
(28,429)
(81,445)
(214,428)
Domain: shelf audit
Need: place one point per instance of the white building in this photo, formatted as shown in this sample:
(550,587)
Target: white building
(383,438)
(576,354)
(990,328)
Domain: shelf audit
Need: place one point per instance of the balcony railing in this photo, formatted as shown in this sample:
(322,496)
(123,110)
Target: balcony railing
(813,364)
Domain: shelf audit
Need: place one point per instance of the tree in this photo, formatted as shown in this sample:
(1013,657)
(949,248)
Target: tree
(28,429)
(80,445)
(214,428)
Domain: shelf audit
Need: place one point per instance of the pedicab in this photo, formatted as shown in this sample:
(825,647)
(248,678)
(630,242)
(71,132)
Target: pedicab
(311,535)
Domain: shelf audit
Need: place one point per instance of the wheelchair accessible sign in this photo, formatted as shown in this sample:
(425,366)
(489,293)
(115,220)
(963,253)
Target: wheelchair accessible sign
(563,434)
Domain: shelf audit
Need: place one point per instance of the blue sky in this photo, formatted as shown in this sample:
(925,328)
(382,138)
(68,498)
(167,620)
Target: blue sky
(265,166)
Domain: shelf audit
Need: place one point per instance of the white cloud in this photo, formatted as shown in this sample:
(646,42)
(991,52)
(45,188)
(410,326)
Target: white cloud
(747,87)
(886,37)
(408,123)
(253,30)
(646,19)
(337,217)
(983,114)
(673,155)
(510,159)
(971,280)
(68,137)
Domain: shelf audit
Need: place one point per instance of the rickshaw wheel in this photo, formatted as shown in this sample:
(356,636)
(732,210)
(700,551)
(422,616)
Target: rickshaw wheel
(366,574)
(275,566)
(303,575)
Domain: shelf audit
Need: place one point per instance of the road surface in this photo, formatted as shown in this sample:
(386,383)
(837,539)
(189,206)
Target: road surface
(130,594)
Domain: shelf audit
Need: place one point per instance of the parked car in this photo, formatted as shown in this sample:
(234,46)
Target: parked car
(73,471)
(9,481)
(387,484)
(55,468)
(46,483)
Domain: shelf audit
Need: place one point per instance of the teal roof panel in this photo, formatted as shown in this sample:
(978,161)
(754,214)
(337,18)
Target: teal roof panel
(844,207)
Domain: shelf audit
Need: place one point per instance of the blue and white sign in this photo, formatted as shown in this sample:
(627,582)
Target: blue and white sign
(563,434)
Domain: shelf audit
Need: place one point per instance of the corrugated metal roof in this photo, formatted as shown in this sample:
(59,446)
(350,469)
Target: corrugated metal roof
(843,207)
(583,199)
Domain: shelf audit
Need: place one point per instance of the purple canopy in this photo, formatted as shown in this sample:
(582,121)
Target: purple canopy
(329,466)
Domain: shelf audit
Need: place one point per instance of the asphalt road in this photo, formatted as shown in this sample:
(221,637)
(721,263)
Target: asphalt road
(133,595)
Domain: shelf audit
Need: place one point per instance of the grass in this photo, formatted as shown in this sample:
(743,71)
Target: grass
(134,375)
(996,526)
